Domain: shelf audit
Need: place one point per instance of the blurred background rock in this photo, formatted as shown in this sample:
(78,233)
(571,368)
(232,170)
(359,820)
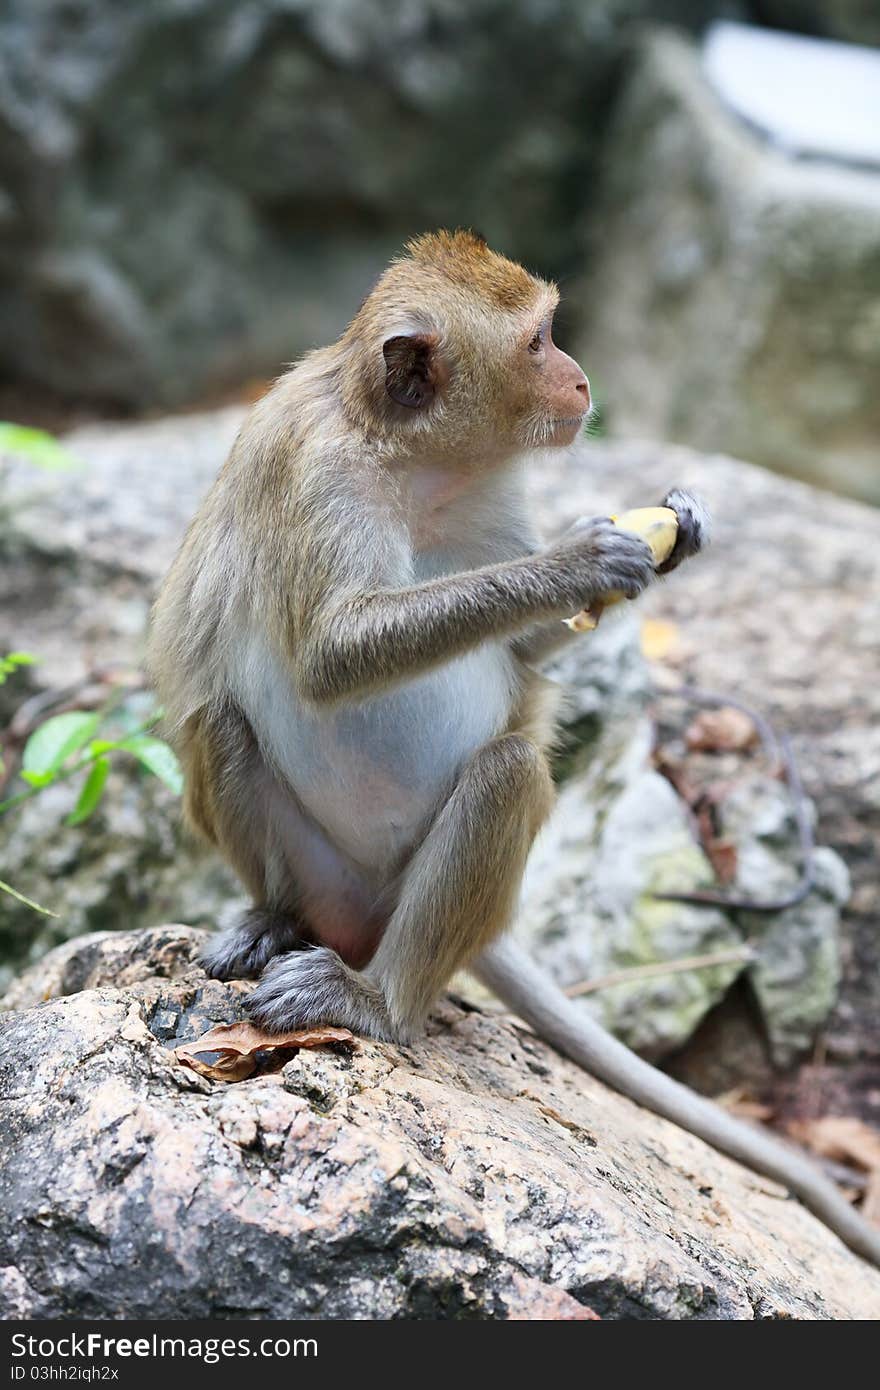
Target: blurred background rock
(192,192)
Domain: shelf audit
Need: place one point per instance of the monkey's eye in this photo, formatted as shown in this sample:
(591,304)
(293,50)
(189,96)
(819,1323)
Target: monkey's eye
(537,342)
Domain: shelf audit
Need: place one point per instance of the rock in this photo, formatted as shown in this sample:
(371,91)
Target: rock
(770,81)
(474,1175)
(734,290)
(296,147)
(82,552)
(119,869)
(857,21)
(120,958)
(796,974)
(81,555)
(619,833)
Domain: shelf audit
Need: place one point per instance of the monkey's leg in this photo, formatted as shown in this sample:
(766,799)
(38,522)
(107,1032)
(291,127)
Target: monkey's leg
(457,894)
(228,799)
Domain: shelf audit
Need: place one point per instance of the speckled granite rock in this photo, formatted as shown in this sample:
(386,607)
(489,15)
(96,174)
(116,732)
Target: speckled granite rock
(474,1175)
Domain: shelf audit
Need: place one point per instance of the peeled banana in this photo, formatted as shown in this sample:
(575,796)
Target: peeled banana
(656,525)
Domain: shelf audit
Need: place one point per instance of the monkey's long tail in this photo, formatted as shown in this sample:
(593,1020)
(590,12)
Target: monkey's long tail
(509,972)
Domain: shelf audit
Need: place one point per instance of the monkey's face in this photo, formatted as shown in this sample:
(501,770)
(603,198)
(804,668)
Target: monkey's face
(502,384)
(468,363)
(551,395)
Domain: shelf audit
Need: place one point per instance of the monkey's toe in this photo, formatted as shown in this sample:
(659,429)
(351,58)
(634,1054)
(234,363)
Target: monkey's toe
(304,989)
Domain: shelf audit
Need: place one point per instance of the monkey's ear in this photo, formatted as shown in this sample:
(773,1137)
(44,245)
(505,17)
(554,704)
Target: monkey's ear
(413,370)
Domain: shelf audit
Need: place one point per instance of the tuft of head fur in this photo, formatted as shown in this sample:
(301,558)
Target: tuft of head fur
(464,259)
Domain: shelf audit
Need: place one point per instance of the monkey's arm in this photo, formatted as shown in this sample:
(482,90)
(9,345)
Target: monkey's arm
(546,638)
(511,974)
(367,640)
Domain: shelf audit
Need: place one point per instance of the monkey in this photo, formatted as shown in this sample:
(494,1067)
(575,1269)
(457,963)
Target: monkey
(347,650)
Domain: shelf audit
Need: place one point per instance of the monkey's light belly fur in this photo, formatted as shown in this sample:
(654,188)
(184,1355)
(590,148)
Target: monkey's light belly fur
(370,772)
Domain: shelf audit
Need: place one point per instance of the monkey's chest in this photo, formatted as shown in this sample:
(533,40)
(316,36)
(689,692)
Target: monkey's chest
(372,772)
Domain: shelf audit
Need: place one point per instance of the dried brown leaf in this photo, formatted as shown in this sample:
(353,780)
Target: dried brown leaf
(230,1051)
(738,1101)
(724,859)
(679,775)
(725,730)
(843,1138)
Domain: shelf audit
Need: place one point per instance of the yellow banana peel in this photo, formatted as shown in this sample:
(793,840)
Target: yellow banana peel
(658,526)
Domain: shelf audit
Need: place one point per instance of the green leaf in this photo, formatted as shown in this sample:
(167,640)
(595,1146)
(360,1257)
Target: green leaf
(38,446)
(28,902)
(49,746)
(91,792)
(102,745)
(12,661)
(38,779)
(158,757)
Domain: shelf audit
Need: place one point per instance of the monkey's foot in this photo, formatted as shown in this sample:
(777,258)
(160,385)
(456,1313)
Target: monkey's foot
(311,987)
(694,527)
(241,952)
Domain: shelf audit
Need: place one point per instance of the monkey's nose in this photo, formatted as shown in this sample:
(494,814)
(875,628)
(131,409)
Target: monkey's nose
(583,390)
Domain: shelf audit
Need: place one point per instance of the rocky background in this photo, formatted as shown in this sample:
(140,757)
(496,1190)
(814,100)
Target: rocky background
(192,194)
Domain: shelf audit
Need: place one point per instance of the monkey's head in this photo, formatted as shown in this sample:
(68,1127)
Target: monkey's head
(454,348)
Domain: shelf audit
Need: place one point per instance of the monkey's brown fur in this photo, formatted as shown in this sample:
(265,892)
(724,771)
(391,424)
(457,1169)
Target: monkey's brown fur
(333,543)
(346,646)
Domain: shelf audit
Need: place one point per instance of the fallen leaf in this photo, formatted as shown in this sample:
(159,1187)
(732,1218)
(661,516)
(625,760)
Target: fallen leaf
(723,858)
(219,1066)
(231,1051)
(660,640)
(726,730)
(841,1137)
(738,1102)
(679,775)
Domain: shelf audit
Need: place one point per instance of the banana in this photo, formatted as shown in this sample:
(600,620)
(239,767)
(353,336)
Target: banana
(656,525)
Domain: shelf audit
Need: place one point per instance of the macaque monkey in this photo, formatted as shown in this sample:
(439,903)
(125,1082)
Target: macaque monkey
(346,650)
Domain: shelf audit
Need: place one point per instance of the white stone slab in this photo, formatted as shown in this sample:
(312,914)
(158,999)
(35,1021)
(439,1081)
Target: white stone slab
(813,97)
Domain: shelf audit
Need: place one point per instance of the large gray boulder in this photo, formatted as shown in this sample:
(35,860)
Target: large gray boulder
(474,1175)
(193,192)
(734,288)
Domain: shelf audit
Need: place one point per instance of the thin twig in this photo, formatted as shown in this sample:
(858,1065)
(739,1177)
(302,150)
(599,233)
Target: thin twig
(28,902)
(662,967)
(780,749)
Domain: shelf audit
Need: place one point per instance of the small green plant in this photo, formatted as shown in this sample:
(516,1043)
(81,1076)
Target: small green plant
(10,663)
(37,446)
(71,745)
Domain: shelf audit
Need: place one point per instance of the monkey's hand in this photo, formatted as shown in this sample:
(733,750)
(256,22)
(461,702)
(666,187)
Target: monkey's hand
(596,558)
(693,527)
